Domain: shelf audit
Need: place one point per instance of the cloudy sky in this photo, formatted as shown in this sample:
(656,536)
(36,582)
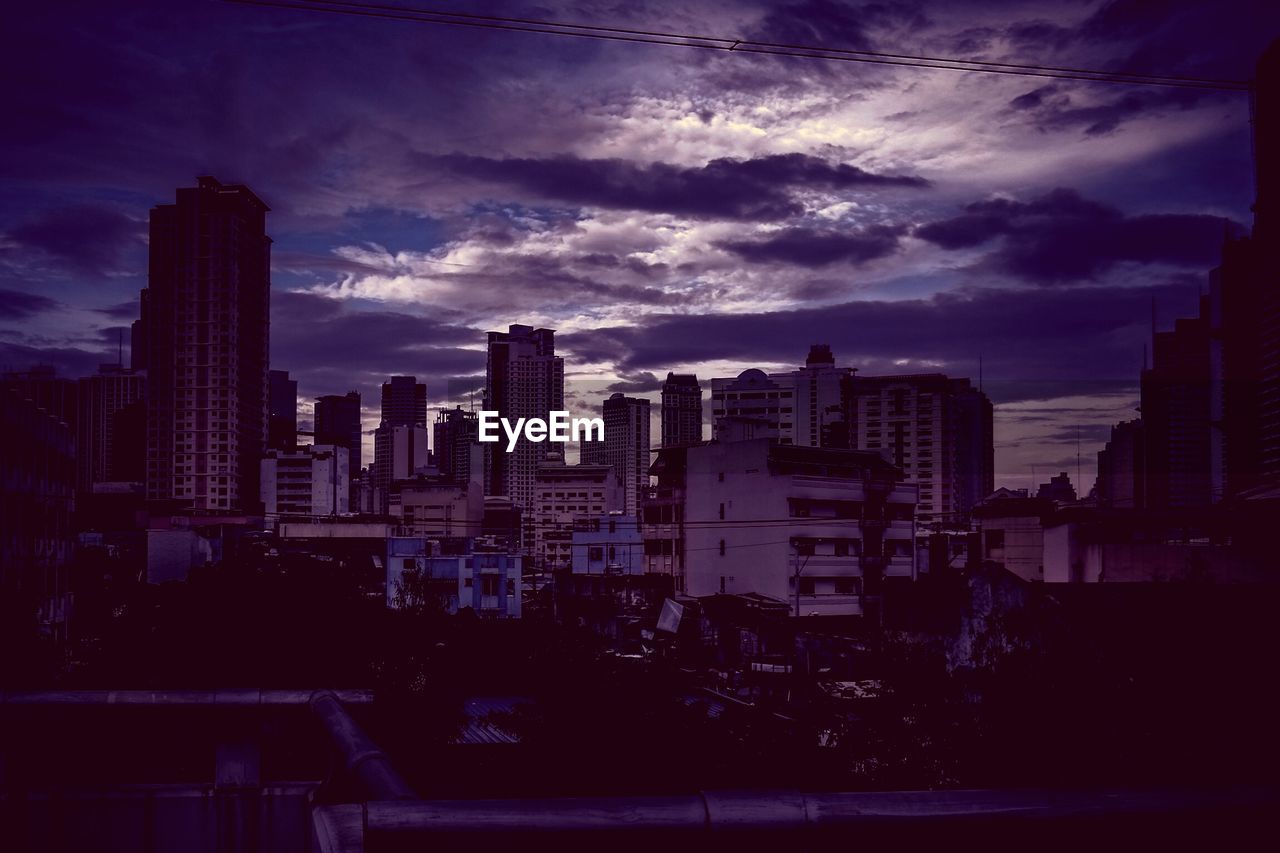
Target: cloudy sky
(662,208)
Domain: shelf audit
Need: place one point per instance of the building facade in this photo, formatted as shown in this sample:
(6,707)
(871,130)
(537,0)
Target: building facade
(103,397)
(207,338)
(938,430)
(524,378)
(801,407)
(456,445)
(681,410)
(311,480)
(338,422)
(626,446)
(564,493)
(818,529)
(282,413)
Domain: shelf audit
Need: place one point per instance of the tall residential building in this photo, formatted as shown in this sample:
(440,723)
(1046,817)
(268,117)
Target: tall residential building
(626,443)
(311,480)
(102,397)
(404,402)
(938,430)
(207,336)
(801,407)
(681,410)
(282,398)
(1177,415)
(456,445)
(337,421)
(524,378)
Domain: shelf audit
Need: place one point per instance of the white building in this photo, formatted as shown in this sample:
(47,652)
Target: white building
(487,580)
(398,453)
(562,494)
(312,480)
(816,528)
(609,544)
(799,407)
(437,506)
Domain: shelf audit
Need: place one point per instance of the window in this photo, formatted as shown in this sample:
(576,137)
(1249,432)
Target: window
(995,541)
(806,586)
(846,586)
(721,547)
(489,584)
(721,512)
(595,553)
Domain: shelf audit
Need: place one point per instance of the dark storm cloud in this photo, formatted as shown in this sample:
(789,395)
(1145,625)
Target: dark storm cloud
(641,382)
(1052,107)
(808,247)
(121,311)
(85,238)
(758,189)
(831,23)
(17,305)
(1062,237)
(1038,342)
(331,346)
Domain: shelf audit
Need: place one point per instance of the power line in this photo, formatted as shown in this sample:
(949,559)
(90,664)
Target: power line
(741,45)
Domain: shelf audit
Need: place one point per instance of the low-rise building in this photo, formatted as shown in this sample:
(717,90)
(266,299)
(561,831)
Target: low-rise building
(487,579)
(311,480)
(563,493)
(817,528)
(609,544)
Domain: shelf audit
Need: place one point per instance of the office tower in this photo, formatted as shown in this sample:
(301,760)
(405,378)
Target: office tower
(801,407)
(138,334)
(1177,415)
(938,430)
(103,397)
(310,480)
(404,402)
(626,442)
(456,443)
(337,421)
(524,378)
(681,410)
(207,336)
(282,426)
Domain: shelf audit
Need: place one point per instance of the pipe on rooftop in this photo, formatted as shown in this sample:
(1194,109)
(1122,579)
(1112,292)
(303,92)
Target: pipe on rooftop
(366,764)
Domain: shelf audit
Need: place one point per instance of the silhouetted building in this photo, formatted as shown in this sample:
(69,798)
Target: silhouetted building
(37,498)
(282,426)
(524,378)
(938,430)
(1122,468)
(337,421)
(1058,489)
(1246,311)
(102,397)
(681,410)
(41,385)
(404,402)
(456,445)
(207,338)
(1176,415)
(626,442)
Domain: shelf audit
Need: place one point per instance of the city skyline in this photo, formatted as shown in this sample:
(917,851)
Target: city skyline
(917,221)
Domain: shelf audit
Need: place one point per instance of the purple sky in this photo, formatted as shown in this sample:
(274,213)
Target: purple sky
(663,208)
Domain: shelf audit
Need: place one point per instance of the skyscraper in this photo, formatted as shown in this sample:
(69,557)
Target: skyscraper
(938,430)
(337,422)
(404,402)
(206,336)
(456,439)
(681,410)
(282,426)
(626,442)
(102,397)
(524,378)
